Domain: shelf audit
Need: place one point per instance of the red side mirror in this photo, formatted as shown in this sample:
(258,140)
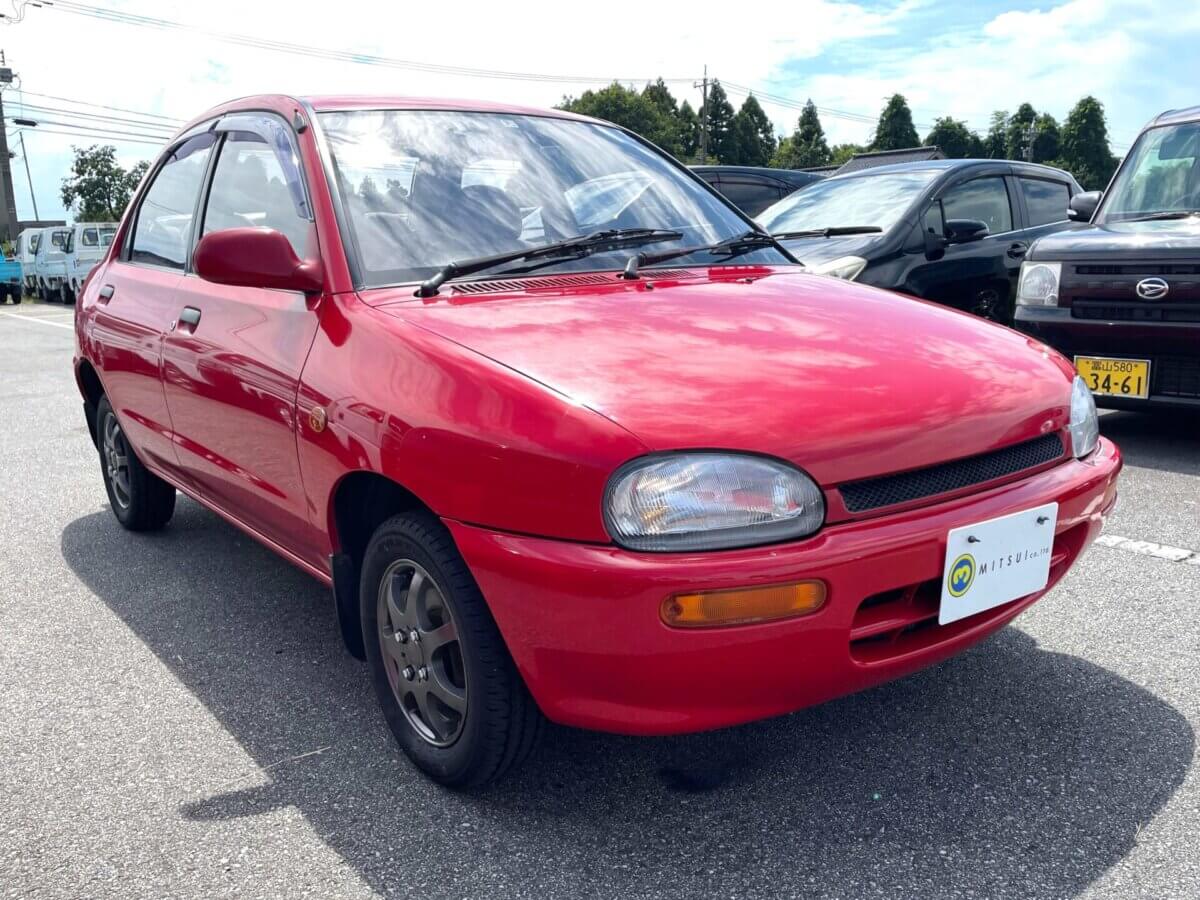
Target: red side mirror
(255,257)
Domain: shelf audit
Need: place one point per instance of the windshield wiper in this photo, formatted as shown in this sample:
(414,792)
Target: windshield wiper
(1158,216)
(834,231)
(743,243)
(613,238)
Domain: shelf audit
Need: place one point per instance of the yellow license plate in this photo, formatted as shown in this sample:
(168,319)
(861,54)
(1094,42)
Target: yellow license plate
(1115,377)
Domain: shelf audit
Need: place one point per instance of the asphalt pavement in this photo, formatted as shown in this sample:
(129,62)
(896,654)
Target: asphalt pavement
(178,718)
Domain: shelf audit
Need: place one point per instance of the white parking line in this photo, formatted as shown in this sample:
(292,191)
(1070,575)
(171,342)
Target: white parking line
(41,320)
(1149,548)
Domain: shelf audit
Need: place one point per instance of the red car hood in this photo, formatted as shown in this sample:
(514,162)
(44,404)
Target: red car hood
(844,380)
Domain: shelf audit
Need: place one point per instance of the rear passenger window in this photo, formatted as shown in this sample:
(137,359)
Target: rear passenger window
(983,199)
(90,238)
(164,222)
(1046,201)
(751,197)
(249,188)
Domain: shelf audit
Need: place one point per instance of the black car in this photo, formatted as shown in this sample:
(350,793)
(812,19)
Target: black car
(751,188)
(951,230)
(1122,296)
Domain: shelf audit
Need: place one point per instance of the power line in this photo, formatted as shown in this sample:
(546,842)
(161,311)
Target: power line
(112,138)
(35,110)
(146,115)
(308,51)
(92,131)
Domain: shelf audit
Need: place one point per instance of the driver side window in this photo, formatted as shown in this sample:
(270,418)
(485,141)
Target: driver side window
(249,188)
(984,199)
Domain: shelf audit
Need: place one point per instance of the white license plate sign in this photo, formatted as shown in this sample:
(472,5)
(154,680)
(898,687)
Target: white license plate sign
(996,561)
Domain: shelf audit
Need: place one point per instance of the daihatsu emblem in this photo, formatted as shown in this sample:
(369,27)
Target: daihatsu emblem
(1152,288)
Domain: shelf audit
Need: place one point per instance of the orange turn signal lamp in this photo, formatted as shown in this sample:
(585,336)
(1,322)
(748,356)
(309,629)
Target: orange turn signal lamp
(743,606)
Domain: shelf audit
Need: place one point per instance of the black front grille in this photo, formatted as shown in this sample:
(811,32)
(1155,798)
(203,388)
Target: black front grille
(889,490)
(1139,269)
(1134,312)
(1175,376)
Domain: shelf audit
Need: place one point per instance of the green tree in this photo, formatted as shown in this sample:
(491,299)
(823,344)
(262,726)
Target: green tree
(1016,131)
(895,130)
(954,138)
(689,131)
(994,145)
(754,134)
(1046,138)
(631,109)
(807,146)
(98,188)
(840,153)
(1084,145)
(717,117)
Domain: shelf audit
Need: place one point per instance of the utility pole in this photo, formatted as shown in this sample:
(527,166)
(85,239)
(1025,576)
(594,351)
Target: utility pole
(1031,133)
(703,85)
(28,177)
(8,203)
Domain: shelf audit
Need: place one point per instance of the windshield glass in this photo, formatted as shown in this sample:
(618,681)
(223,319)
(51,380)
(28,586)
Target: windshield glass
(424,188)
(878,200)
(1160,175)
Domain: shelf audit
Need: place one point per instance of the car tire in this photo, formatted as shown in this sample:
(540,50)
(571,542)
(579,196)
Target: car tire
(441,645)
(140,500)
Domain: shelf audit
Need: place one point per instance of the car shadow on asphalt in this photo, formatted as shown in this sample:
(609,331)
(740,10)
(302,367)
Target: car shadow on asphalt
(1008,771)
(1167,440)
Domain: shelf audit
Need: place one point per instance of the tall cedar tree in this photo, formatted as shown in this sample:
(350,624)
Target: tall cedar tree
(807,146)
(754,133)
(1084,145)
(717,117)
(895,130)
(995,144)
(1016,131)
(1047,139)
(689,132)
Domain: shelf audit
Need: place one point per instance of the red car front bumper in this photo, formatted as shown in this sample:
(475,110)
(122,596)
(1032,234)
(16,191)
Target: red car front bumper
(582,621)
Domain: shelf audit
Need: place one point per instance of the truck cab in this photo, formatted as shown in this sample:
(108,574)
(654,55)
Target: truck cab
(1121,297)
(87,242)
(50,263)
(27,244)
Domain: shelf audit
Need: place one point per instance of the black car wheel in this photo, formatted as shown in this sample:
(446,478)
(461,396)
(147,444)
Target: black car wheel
(140,500)
(448,688)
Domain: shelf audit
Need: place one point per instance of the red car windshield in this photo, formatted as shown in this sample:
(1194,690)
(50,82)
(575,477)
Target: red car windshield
(422,188)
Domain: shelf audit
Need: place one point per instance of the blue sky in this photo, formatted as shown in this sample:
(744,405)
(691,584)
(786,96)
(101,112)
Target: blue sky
(963,59)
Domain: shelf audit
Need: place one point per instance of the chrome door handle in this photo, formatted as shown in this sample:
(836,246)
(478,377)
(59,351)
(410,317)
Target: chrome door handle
(189,316)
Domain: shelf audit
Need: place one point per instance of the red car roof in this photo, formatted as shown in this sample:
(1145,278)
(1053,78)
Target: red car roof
(282,103)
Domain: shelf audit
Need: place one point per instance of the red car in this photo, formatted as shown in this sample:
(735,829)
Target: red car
(565,433)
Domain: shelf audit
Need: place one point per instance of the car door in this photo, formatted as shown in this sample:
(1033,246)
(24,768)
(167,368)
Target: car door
(232,363)
(980,275)
(136,302)
(1045,201)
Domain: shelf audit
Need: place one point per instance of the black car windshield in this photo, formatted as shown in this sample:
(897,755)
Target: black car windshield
(1160,176)
(878,200)
(424,188)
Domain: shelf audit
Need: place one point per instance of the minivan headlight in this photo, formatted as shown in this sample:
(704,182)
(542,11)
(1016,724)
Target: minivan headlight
(1085,424)
(709,501)
(845,267)
(1039,284)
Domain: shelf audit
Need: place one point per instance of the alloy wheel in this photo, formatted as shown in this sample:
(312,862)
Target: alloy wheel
(116,460)
(419,643)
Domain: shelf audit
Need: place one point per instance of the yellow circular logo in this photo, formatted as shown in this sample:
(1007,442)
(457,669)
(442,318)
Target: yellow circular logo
(962,575)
